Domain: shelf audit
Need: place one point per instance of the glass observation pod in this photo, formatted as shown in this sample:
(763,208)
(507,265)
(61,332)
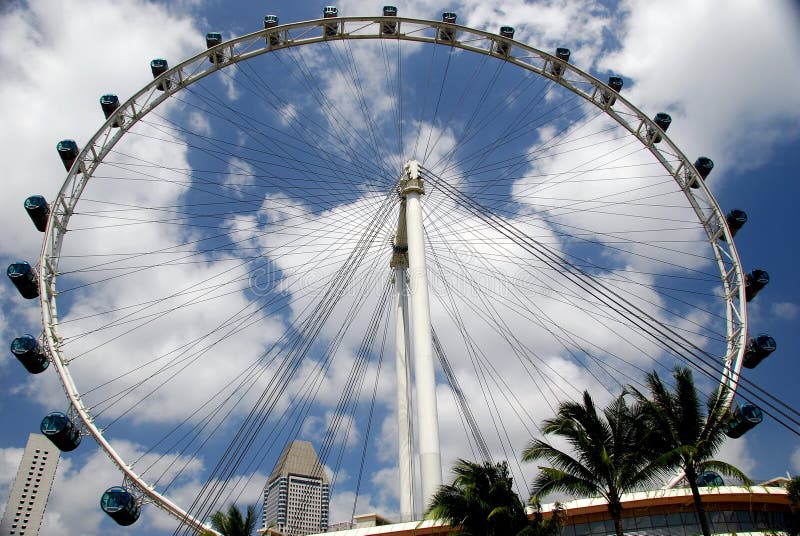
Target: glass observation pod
(448,34)
(270,21)
(37,208)
(59,429)
(158,67)
(745,417)
(662,121)
(331,28)
(503,47)
(615,84)
(25,278)
(68,151)
(754,281)
(120,505)
(703,165)
(736,219)
(109,104)
(212,40)
(758,349)
(30,353)
(710,479)
(557,68)
(389,27)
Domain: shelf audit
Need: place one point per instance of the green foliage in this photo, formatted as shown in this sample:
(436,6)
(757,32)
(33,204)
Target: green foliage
(683,436)
(233,523)
(541,526)
(481,502)
(607,457)
(793,489)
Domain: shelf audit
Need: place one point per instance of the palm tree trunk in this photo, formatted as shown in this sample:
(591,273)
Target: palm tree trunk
(691,476)
(618,524)
(615,509)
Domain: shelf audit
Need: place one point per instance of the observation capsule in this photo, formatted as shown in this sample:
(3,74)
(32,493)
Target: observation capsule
(389,27)
(557,69)
(270,21)
(736,219)
(615,83)
(448,34)
(503,47)
(109,104)
(709,479)
(754,281)
(61,431)
(37,208)
(30,353)
(662,121)
(331,28)
(703,165)
(121,505)
(745,417)
(25,278)
(758,349)
(212,40)
(68,151)
(158,67)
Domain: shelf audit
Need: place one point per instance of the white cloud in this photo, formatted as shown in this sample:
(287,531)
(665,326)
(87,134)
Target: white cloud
(232,91)
(73,503)
(305,238)
(737,452)
(705,77)
(49,98)
(796,460)
(240,175)
(784,310)
(199,123)
(9,464)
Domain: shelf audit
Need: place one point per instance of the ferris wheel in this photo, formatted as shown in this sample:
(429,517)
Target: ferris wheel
(221,258)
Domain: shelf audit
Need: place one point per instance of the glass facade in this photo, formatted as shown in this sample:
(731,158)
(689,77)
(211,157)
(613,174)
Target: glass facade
(685,524)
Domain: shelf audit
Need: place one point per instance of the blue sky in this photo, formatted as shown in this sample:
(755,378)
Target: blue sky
(721,70)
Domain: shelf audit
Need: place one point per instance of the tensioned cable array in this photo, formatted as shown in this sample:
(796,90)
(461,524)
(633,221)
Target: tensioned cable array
(673,341)
(246,238)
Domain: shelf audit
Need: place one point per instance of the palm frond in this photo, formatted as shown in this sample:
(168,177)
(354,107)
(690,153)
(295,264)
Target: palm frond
(725,469)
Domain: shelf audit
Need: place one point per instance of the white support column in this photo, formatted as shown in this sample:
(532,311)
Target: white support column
(405,435)
(424,370)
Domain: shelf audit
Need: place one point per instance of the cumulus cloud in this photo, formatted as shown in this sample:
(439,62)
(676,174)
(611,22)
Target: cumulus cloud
(100,41)
(80,483)
(784,310)
(9,463)
(175,329)
(737,452)
(716,104)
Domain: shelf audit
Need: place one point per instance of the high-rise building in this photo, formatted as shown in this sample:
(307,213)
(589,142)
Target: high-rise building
(296,498)
(31,488)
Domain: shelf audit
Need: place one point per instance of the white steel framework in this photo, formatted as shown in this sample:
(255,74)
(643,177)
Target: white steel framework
(673,160)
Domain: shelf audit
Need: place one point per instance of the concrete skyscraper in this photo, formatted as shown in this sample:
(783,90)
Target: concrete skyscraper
(296,499)
(31,488)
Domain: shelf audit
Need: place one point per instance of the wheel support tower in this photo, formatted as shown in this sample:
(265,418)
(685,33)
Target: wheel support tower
(410,249)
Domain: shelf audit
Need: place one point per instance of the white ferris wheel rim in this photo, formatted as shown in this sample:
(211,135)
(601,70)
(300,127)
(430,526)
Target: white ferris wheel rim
(296,34)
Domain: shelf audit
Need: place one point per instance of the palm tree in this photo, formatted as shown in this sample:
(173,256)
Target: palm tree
(233,523)
(686,437)
(480,501)
(541,526)
(793,491)
(608,459)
